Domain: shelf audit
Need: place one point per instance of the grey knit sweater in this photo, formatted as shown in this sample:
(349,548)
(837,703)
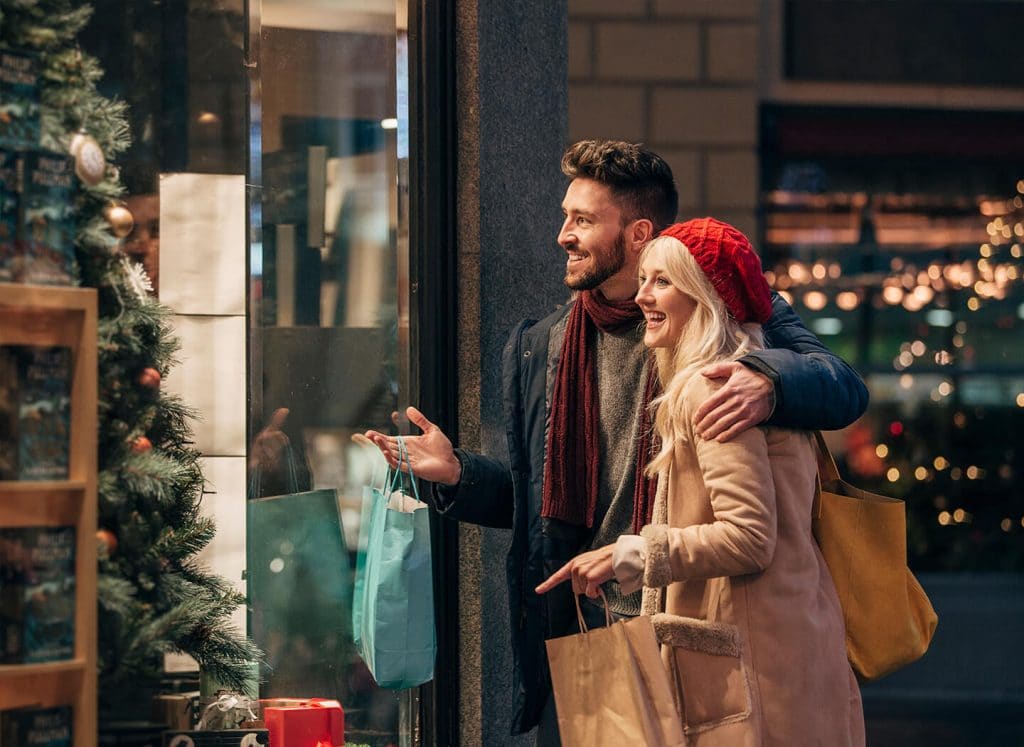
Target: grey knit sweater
(620,358)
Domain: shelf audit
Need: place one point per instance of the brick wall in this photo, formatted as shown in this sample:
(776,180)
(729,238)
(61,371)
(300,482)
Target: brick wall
(682,77)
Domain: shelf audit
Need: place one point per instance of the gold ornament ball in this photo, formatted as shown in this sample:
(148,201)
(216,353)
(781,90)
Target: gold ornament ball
(120,219)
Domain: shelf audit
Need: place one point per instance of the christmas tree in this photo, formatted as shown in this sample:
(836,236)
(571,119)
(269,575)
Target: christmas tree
(154,597)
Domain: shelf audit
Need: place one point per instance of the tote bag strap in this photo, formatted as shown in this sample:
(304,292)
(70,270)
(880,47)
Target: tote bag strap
(828,472)
(826,462)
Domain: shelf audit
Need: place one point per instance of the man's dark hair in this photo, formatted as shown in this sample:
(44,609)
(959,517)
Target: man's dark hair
(639,178)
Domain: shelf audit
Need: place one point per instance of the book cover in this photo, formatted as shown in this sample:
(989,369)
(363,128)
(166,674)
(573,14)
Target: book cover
(47,235)
(37,574)
(12,582)
(10,255)
(36,727)
(8,414)
(19,99)
(49,595)
(44,411)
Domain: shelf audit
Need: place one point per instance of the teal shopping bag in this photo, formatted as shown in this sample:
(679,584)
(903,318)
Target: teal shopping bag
(371,493)
(398,640)
(299,581)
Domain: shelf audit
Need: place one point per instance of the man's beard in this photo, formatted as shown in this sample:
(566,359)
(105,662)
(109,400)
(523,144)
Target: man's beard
(606,264)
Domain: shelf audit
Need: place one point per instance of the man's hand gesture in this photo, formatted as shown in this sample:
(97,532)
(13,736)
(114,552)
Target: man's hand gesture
(745,401)
(431,454)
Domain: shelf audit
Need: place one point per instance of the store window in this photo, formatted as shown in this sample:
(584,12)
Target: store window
(271,144)
(329,322)
(898,237)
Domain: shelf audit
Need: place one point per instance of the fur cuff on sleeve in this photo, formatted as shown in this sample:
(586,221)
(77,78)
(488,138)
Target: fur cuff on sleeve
(658,570)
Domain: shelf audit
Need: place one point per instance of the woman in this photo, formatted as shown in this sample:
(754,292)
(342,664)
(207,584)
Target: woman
(752,631)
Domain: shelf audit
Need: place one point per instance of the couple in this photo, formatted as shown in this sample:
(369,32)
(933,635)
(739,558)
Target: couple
(727,539)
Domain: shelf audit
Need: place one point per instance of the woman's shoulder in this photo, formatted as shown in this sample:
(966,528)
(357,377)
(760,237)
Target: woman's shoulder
(698,388)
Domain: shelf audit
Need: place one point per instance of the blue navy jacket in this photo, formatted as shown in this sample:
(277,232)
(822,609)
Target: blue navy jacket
(814,389)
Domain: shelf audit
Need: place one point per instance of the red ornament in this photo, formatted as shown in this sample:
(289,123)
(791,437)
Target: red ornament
(150,378)
(141,445)
(108,541)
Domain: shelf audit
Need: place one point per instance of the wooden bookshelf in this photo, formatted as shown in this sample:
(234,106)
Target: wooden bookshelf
(42,315)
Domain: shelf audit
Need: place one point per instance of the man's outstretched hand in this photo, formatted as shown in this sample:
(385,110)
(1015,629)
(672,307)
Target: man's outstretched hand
(745,401)
(431,454)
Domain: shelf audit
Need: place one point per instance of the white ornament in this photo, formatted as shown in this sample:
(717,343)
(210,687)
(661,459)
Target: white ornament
(90,163)
(137,279)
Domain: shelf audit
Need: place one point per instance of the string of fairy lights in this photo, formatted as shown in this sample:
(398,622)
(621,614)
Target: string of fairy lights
(932,288)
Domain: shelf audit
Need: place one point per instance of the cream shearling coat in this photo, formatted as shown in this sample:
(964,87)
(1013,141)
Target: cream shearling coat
(751,627)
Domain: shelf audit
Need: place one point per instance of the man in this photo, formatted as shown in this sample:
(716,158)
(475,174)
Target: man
(576,388)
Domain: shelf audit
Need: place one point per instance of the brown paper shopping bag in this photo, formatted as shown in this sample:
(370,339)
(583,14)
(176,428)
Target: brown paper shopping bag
(611,687)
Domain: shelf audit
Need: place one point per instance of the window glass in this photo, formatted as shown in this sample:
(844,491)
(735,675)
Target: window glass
(328,334)
(898,239)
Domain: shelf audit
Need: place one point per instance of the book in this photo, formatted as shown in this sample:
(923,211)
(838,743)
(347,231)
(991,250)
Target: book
(36,727)
(35,412)
(8,413)
(37,591)
(19,99)
(47,230)
(10,254)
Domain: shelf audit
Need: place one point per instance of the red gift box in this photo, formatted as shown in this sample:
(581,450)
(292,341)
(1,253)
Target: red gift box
(312,722)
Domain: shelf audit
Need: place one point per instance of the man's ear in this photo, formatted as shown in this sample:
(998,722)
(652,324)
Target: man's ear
(639,232)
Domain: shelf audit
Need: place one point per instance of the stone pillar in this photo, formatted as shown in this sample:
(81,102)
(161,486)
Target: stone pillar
(512,112)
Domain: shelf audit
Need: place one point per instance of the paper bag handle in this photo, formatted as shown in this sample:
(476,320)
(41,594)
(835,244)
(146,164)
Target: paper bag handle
(579,611)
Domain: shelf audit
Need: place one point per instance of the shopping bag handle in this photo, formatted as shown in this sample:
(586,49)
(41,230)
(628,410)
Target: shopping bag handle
(826,462)
(378,459)
(256,476)
(827,472)
(396,474)
(579,611)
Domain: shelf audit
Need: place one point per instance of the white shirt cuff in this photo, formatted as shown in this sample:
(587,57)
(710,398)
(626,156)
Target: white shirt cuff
(628,561)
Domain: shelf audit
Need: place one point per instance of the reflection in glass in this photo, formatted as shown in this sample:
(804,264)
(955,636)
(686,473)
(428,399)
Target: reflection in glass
(329,334)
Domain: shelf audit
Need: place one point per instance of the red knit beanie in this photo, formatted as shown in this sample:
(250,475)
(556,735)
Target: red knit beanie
(730,263)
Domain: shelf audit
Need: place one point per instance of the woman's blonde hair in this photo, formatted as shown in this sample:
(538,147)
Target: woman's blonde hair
(709,336)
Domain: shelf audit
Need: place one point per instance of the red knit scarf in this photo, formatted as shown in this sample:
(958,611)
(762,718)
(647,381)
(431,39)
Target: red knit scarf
(571,461)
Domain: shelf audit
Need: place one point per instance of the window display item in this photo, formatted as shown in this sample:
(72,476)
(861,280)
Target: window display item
(47,233)
(176,710)
(38,727)
(120,219)
(889,619)
(225,738)
(35,412)
(398,640)
(305,723)
(37,594)
(228,710)
(10,256)
(19,99)
(90,162)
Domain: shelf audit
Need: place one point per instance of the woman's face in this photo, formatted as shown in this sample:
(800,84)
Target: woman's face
(665,307)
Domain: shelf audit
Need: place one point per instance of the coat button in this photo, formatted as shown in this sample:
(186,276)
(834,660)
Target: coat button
(526,354)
